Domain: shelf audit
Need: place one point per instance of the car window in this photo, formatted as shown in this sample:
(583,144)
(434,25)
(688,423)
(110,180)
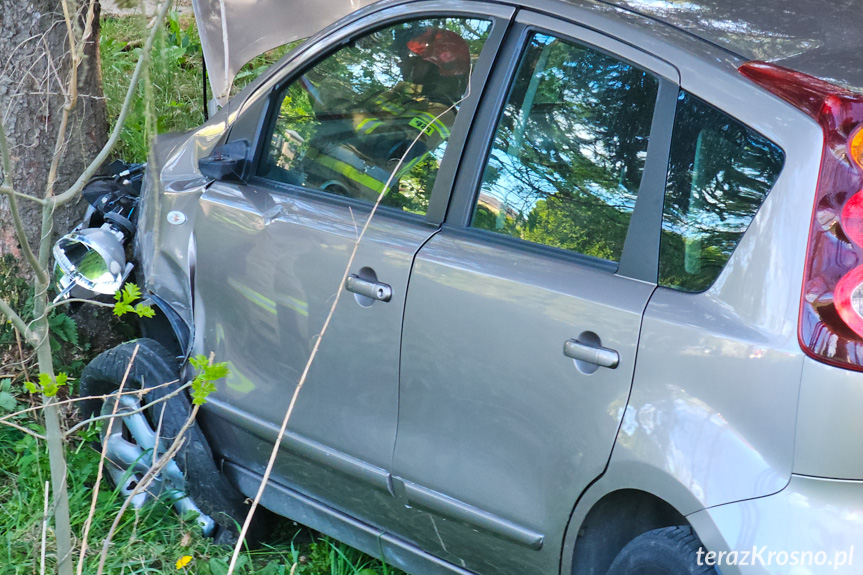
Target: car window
(569,151)
(719,173)
(378,111)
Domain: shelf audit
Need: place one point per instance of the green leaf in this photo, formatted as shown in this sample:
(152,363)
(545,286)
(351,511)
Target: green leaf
(121,308)
(271,568)
(51,389)
(201,389)
(216,371)
(131,292)
(199,362)
(126,297)
(64,327)
(218,566)
(144,310)
(31,387)
(61,379)
(7,401)
(202,385)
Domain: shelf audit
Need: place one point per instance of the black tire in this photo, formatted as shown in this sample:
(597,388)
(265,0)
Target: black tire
(154,365)
(666,551)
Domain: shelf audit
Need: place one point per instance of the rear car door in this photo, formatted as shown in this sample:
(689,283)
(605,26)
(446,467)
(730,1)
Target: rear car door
(523,313)
(270,254)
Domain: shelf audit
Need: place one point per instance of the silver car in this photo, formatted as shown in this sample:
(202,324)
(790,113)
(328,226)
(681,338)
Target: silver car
(607,318)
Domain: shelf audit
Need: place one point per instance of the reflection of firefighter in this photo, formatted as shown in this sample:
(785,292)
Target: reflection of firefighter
(357,147)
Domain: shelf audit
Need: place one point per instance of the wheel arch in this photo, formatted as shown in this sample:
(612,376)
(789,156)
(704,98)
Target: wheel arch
(167,327)
(630,499)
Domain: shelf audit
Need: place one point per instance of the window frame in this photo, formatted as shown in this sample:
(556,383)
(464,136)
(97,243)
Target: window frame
(328,44)
(640,257)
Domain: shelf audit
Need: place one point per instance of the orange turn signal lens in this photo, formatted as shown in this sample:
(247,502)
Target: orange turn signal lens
(855,146)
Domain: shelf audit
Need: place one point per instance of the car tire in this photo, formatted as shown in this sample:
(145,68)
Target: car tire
(205,485)
(666,551)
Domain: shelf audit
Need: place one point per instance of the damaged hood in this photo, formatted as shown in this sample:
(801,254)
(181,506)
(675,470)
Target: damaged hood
(235,31)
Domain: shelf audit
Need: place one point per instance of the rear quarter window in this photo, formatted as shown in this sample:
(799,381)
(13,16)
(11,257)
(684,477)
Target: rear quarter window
(719,173)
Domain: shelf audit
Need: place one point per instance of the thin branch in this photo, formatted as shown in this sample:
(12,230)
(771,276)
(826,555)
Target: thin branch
(73,191)
(16,320)
(63,302)
(23,429)
(274,453)
(41,275)
(22,195)
(71,98)
(112,416)
(101,467)
(138,392)
(44,531)
(21,355)
(88,28)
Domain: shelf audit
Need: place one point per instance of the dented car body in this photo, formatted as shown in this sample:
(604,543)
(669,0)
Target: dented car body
(522,403)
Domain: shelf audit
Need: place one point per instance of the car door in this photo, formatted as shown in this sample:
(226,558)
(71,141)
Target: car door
(271,254)
(523,313)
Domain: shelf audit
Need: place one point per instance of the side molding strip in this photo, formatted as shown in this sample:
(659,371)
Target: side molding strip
(454,509)
(299,445)
(371,540)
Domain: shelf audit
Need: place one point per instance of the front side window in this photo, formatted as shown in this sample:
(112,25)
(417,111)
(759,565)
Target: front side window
(375,116)
(569,151)
(719,173)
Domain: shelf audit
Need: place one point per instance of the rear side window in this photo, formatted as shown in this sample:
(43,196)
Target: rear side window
(569,151)
(719,173)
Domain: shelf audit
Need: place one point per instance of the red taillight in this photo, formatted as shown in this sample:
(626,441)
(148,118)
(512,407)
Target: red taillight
(831,307)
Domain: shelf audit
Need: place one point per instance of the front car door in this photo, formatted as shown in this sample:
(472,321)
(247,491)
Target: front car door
(523,313)
(377,114)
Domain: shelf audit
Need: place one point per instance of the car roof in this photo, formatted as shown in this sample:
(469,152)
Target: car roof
(819,38)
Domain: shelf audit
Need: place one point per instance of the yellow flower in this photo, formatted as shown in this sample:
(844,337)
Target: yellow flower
(183,561)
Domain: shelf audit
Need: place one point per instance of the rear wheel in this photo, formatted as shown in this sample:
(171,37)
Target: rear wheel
(666,551)
(191,481)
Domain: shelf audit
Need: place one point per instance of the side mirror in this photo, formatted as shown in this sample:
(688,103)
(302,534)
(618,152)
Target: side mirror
(227,163)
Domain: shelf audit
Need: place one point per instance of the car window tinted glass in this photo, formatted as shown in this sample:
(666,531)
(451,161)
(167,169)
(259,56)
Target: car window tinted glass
(719,173)
(383,105)
(569,150)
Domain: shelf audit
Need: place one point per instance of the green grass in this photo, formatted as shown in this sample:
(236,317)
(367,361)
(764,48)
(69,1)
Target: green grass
(171,99)
(153,540)
(149,541)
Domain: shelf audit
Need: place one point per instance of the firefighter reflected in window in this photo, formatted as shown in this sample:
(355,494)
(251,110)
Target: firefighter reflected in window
(358,146)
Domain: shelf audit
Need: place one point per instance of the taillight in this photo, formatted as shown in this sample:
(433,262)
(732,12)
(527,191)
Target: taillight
(831,308)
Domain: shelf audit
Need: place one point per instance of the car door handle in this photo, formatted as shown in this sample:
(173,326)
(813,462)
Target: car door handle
(601,356)
(375,290)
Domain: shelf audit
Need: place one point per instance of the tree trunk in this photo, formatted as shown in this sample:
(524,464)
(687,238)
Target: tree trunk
(34,71)
(48,154)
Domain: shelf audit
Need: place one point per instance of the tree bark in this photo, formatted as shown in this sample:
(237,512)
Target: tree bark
(34,72)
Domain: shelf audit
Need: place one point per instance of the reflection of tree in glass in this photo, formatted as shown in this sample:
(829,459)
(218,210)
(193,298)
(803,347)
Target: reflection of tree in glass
(719,173)
(570,150)
(344,124)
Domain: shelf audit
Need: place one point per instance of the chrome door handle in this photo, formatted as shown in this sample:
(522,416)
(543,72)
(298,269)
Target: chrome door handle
(375,290)
(601,356)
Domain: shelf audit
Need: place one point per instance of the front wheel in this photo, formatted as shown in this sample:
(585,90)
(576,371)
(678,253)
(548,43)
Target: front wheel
(191,481)
(666,551)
